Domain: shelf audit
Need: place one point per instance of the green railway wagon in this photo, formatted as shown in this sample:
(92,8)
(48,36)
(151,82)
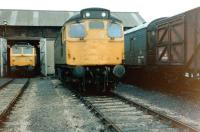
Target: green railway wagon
(135,45)
(140,43)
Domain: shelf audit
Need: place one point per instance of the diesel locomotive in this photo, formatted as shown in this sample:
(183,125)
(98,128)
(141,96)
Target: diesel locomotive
(22,56)
(89,50)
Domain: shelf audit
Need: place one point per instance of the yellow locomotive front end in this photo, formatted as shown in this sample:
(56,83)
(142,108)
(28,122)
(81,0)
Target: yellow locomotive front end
(100,42)
(90,49)
(22,56)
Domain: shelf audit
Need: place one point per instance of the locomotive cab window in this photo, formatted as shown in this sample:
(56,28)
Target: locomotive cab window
(77,31)
(114,30)
(28,50)
(16,50)
(96,25)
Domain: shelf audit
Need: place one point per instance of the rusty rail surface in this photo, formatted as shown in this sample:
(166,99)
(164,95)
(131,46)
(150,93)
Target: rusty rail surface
(7,110)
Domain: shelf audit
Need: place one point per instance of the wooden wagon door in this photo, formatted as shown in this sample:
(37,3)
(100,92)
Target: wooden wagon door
(163,49)
(177,41)
(170,42)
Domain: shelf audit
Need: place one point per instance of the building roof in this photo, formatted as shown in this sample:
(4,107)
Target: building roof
(57,18)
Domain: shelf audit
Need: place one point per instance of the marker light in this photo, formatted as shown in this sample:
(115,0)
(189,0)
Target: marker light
(87,14)
(103,14)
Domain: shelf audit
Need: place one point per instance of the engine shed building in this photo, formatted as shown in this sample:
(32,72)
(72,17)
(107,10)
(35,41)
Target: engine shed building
(40,27)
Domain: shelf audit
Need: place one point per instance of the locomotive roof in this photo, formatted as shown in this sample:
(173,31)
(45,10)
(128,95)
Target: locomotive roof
(79,16)
(94,9)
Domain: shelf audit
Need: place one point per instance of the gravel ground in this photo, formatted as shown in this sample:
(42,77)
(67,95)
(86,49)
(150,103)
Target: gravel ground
(47,106)
(79,117)
(177,107)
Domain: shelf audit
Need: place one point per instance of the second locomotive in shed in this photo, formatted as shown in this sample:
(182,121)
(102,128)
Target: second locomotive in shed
(22,57)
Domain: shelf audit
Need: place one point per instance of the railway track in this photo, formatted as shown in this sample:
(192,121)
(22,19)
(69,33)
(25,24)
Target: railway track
(120,114)
(5,82)
(10,92)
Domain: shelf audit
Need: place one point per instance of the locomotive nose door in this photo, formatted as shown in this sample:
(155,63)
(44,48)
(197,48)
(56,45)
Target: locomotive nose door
(43,57)
(3,57)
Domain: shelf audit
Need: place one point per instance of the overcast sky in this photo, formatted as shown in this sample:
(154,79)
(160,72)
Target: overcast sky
(148,9)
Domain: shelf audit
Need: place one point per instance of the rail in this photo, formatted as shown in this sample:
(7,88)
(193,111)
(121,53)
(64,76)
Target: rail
(5,112)
(111,126)
(174,122)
